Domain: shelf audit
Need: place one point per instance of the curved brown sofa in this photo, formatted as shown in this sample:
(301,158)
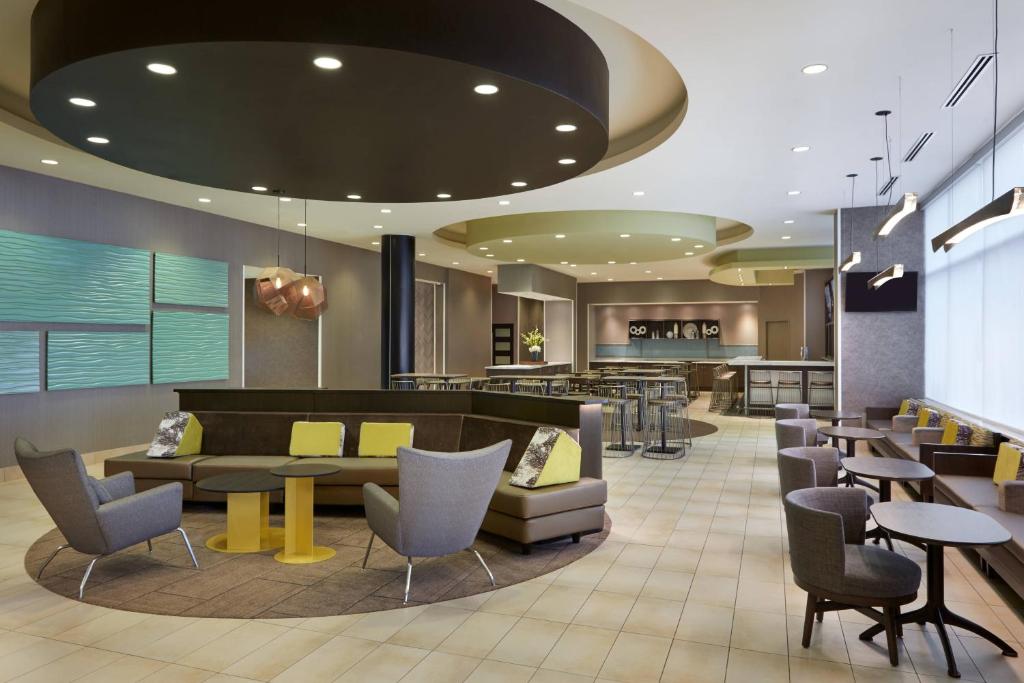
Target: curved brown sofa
(251,430)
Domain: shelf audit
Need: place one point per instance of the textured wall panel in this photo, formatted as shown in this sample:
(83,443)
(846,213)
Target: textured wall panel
(190,281)
(19,362)
(49,279)
(189,347)
(83,360)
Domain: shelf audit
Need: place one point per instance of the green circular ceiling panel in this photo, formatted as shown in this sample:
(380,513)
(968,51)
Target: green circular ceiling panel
(767,267)
(592,237)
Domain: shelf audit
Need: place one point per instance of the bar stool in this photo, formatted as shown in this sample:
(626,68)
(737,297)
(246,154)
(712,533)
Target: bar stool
(665,432)
(403,385)
(560,387)
(789,389)
(821,389)
(617,421)
(500,387)
(722,391)
(530,386)
(679,391)
(761,393)
(460,384)
(433,384)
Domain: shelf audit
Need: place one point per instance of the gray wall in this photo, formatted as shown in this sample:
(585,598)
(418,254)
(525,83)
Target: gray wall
(814,312)
(782,304)
(558,320)
(881,355)
(97,419)
(280,351)
(531,316)
(467,317)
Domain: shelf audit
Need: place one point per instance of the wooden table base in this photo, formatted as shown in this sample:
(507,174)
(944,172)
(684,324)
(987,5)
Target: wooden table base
(936,613)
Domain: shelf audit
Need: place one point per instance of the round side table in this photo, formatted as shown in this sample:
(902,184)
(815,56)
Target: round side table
(298,512)
(249,529)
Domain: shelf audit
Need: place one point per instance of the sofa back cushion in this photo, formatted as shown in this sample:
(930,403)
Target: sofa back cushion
(227,433)
(434,431)
(480,432)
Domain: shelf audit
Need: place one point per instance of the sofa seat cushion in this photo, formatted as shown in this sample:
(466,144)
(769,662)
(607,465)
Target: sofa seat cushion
(1013,523)
(966,491)
(222,464)
(144,467)
(881,425)
(876,572)
(528,503)
(359,471)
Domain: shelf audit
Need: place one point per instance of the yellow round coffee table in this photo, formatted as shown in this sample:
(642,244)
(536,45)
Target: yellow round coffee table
(249,529)
(298,513)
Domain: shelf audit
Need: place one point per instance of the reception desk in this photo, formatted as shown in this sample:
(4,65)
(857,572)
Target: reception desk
(774,367)
(529,369)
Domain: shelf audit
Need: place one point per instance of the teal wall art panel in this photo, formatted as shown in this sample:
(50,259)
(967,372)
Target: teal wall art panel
(84,360)
(55,280)
(19,362)
(189,281)
(189,347)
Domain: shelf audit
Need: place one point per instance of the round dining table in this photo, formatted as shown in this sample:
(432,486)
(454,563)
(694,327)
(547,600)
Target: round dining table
(851,435)
(937,527)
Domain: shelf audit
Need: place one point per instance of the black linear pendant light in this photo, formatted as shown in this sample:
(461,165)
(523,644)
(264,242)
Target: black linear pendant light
(1007,205)
(901,210)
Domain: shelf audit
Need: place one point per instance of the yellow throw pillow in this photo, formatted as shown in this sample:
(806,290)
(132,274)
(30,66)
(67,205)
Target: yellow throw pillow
(956,433)
(383,439)
(553,457)
(1008,463)
(929,418)
(317,439)
(179,433)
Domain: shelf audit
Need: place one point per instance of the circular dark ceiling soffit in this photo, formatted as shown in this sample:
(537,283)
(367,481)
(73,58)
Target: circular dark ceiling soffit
(398,122)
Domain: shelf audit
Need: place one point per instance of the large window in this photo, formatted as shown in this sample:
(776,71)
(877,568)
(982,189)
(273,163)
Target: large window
(974,297)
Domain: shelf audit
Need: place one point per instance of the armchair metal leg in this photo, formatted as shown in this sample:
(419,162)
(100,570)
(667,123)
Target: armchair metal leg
(408,578)
(486,568)
(188,547)
(85,578)
(149,544)
(366,557)
(39,574)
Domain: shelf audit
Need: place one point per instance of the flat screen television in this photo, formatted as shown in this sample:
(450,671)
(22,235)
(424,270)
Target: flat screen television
(894,295)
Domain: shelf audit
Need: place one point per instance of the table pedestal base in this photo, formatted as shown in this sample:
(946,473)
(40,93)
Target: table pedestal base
(298,525)
(249,529)
(936,613)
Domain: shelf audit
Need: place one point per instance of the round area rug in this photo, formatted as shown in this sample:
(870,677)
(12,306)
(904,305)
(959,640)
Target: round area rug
(698,428)
(252,586)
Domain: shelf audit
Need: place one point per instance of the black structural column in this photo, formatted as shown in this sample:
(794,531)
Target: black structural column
(397,306)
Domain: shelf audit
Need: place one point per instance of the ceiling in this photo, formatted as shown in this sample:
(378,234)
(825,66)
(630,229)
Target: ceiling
(746,104)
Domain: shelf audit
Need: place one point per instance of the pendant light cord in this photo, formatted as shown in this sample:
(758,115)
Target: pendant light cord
(305,236)
(995,88)
(278,202)
(888,157)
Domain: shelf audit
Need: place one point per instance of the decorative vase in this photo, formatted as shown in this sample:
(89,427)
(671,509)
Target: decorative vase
(535,353)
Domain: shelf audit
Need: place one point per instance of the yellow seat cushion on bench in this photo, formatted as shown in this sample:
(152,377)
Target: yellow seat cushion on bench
(317,439)
(383,439)
(1008,463)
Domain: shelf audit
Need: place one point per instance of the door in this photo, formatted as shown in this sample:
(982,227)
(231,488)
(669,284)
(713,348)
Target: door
(776,343)
(502,344)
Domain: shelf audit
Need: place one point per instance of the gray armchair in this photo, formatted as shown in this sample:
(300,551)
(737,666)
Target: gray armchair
(794,433)
(444,500)
(98,516)
(805,467)
(830,561)
(792,411)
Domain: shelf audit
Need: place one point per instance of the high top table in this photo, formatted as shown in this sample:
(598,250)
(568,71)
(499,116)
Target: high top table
(248,495)
(938,526)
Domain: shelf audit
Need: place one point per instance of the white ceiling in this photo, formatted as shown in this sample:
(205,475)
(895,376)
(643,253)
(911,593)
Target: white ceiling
(749,104)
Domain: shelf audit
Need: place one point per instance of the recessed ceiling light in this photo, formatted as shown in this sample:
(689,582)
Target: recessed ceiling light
(559,236)
(567,161)
(49,162)
(572,265)
(787,237)
(485,89)
(565,128)
(661,278)
(611,279)
(204,200)
(688,253)
(385,210)
(801,148)
(507,241)
(329,63)
(162,69)
(518,183)
(789,222)
(793,193)
(564,263)
(632,263)
(639,193)
(375,243)
(285,199)
(677,239)
(520,260)
(814,69)
(611,263)
(698,246)
(353,196)
(455,263)
(443,195)
(258,188)
(624,235)
(482,248)
(647,272)
(301,225)
(593,273)
(489,272)
(378,227)
(489,255)
(423,253)
(97,140)
(82,102)
(503,202)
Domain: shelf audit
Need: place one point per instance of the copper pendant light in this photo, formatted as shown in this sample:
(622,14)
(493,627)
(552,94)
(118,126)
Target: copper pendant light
(308,292)
(270,291)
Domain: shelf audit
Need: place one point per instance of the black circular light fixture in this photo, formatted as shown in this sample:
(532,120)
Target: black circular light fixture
(473,92)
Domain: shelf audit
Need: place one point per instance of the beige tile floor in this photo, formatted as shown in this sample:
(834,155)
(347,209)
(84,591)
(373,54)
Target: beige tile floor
(692,585)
